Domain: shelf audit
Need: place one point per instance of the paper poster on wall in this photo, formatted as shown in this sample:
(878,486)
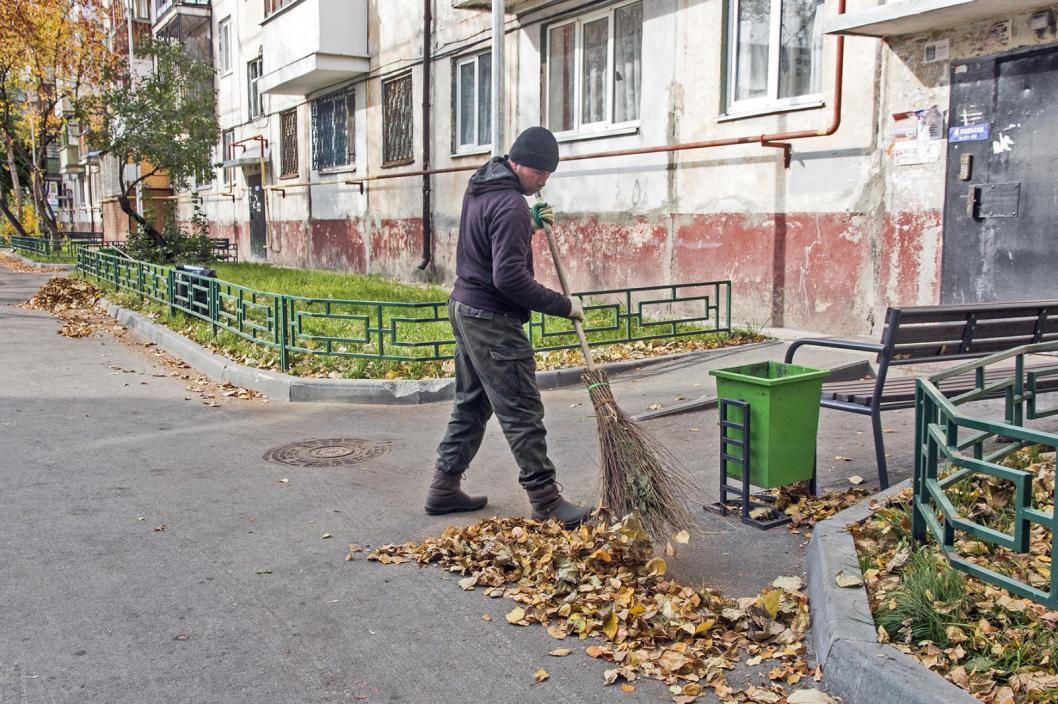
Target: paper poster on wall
(917,136)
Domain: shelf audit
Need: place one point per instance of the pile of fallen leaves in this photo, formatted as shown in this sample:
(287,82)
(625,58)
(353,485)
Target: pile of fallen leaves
(16,264)
(804,508)
(645,349)
(998,646)
(603,582)
(72,301)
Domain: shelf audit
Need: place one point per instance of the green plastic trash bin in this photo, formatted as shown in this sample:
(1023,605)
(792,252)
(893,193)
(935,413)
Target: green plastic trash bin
(784,416)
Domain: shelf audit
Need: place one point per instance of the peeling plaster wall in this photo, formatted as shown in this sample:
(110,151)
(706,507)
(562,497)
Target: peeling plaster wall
(825,245)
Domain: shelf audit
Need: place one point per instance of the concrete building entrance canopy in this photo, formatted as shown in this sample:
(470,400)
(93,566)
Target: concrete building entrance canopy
(915,16)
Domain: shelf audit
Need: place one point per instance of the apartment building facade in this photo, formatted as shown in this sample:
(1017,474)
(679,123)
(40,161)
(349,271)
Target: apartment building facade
(802,149)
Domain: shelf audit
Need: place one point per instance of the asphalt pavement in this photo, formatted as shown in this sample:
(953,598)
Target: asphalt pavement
(150,553)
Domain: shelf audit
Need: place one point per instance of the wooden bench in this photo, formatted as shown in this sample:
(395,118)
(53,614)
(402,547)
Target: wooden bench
(926,334)
(224,249)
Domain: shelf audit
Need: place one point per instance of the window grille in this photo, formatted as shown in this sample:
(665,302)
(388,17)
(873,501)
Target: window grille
(288,128)
(398,123)
(253,98)
(333,133)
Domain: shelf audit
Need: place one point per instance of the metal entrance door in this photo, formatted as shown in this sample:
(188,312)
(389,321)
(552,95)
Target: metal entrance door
(1001,206)
(257,217)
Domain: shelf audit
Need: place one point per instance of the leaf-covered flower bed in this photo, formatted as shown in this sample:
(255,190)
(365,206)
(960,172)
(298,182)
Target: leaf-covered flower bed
(603,585)
(997,646)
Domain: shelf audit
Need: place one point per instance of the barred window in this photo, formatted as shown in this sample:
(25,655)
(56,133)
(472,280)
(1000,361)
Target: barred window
(332,129)
(397,122)
(288,143)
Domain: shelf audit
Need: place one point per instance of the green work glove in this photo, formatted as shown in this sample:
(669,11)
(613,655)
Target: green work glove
(541,214)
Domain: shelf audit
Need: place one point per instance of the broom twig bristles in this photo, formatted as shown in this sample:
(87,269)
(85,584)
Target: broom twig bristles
(637,474)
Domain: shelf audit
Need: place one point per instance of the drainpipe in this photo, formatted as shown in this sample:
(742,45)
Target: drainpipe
(427,219)
(498,38)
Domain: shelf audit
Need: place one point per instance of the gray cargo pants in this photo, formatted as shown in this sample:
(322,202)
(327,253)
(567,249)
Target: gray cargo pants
(495,373)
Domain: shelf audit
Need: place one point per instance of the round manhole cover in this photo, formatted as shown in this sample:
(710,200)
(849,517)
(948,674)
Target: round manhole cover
(327,453)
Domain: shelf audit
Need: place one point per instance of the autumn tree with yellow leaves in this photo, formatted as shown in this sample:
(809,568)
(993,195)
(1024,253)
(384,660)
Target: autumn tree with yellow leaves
(54,60)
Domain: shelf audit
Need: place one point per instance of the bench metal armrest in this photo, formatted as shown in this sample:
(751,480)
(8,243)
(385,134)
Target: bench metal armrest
(833,342)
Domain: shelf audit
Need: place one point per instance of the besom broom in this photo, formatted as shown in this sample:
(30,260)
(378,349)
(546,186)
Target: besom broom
(636,473)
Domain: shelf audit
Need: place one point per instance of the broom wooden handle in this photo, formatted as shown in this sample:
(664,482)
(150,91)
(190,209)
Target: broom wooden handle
(585,350)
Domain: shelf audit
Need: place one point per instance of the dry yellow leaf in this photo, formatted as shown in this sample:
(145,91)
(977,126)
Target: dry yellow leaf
(681,537)
(625,687)
(560,652)
(516,615)
(541,675)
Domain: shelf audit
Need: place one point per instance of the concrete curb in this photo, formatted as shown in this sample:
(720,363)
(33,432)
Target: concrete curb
(285,387)
(29,262)
(855,665)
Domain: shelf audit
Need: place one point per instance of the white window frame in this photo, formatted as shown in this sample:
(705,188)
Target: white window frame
(476,147)
(227,173)
(253,88)
(224,46)
(771,101)
(606,125)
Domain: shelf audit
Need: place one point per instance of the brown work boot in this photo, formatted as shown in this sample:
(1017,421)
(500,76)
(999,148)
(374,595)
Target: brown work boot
(548,504)
(445,496)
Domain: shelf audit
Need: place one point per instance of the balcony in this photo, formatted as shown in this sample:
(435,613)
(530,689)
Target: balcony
(168,11)
(917,16)
(70,159)
(311,44)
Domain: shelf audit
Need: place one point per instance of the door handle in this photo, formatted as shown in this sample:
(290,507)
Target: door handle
(971,202)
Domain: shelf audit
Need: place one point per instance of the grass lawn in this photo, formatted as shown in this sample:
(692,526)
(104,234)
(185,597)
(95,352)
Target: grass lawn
(58,258)
(347,316)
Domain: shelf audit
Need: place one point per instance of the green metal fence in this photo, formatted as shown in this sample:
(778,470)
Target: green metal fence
(399,331)
(47,247)
(953,446)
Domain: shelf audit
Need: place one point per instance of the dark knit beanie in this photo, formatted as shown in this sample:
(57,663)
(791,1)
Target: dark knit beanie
(537,148)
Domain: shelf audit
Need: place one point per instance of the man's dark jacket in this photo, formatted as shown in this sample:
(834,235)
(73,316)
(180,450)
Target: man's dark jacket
(494,256)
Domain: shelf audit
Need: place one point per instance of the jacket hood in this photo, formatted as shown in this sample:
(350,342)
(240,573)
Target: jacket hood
(494,175)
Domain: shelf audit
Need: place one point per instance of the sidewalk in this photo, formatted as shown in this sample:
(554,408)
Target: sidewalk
(100,606)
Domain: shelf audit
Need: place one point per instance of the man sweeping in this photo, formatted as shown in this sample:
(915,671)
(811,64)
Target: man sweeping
(493,295)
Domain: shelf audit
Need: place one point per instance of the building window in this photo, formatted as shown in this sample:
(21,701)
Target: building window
(274,6)
(225,154)
(775,53)
(473,101)
(253,77)
(332,129)
(288,143)
(224,46)
(397,121)
(594,69)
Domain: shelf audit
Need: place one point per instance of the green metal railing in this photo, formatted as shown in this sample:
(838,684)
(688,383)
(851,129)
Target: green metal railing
(398,331)
(950,449)
(47,247)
